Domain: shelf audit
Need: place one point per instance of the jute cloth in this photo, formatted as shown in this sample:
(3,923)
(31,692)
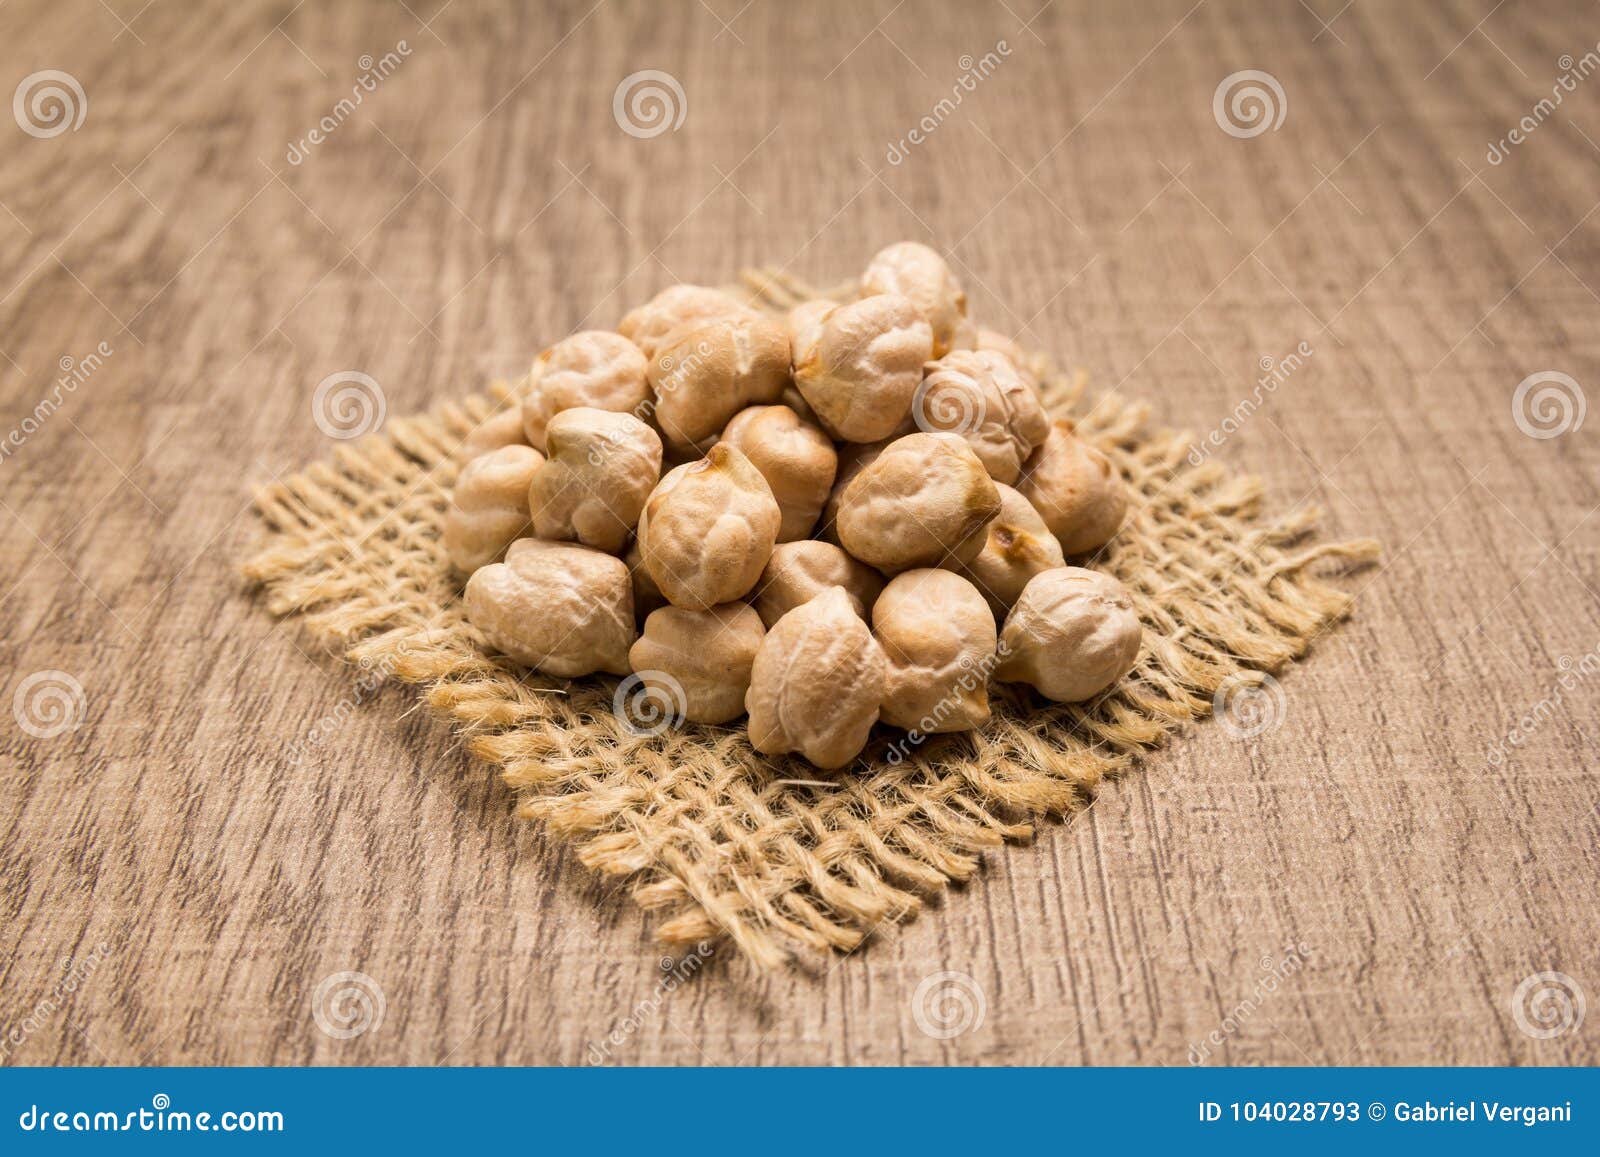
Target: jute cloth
(769,852)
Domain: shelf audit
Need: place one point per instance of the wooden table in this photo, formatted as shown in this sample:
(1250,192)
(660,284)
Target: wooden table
(482,200)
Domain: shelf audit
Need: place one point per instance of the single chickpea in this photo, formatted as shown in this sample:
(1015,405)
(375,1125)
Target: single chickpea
(566,610)
(1075,489)
(503,428)
(938,639)
(708,529)
(863,367)
(980,396)
(796,458)
(1072,634)
(592,368)
(699,659)
(924,501)
(800,571)
(1019,545)
(592,488)
(816,683)
(913,270)
(703,376)
(489,506)
(675,308)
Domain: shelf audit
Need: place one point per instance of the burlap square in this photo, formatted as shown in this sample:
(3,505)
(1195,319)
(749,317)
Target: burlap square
(769,852)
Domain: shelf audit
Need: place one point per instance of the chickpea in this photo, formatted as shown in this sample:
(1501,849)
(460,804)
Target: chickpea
(1072,634)
(863,366)
(489,507)
(704,655)
(804,324)
(647,596)
(796,458)
(925,500)
(708,529)
(704,376)
(1075,489)
(674,308)
(981,396)
(800,571)
(999,343)
(503,428)
(937,636)
(816,683)
(564,609)
(854,457)
(592,488)
(913,270)
(1019,545)
(591,368)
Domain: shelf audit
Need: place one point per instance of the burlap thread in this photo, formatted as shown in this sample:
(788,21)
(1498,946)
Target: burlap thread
(768,852)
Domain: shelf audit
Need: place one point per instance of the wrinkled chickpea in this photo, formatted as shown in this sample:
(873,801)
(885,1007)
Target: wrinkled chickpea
(600,469)
(979,395)
(816,683)
(702,376)
(708,529)
(675,308)
(1072,634)
(861,368)
(913,270)
(647,596)
(1075,489)
(922,502)
(800,571)
(707,654)
(993,340)
(796,458)
(591,368)
(566,610)
(854,457)
(1019,545)
(937,636)
(503,428)
(489,507)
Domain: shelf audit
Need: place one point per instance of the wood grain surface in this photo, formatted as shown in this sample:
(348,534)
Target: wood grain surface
(1369,880)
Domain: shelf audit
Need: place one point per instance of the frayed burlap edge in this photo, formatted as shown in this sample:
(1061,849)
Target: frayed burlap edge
(769,852)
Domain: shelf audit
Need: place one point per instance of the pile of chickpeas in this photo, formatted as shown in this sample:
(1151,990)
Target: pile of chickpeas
(860,512)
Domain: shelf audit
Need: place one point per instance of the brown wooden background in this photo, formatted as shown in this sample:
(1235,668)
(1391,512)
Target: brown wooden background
(483,202)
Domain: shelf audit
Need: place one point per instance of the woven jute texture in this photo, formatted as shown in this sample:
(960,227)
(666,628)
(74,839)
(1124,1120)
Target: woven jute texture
(769,852)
